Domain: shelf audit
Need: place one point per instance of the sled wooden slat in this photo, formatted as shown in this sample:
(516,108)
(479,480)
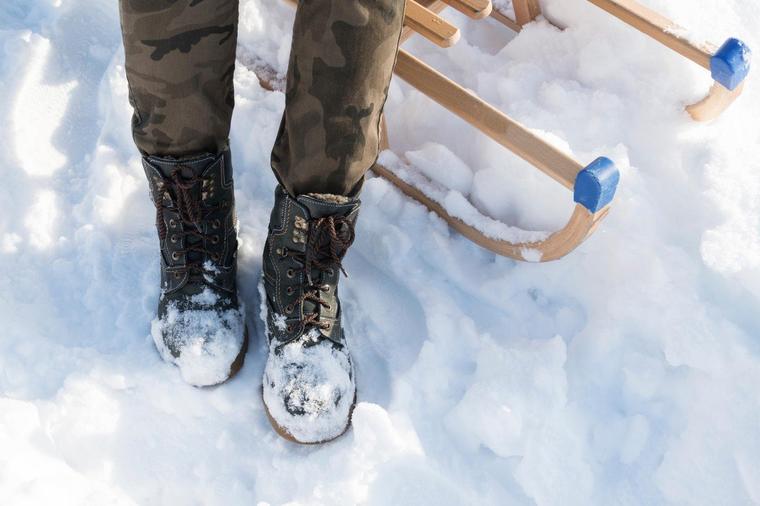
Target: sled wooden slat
(506,20)
(475,9)
(430,25)
(526,11)
(483,116)
(435,6)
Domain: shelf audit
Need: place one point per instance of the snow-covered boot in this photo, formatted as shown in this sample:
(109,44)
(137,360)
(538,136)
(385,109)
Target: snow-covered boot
(200,325)
(308,387)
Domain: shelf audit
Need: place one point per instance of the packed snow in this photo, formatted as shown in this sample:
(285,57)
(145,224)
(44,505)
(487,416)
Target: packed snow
(626,373)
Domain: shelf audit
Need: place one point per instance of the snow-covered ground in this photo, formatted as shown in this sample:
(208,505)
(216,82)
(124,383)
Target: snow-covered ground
(627,373)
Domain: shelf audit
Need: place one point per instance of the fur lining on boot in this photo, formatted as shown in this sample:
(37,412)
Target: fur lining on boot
(329,197)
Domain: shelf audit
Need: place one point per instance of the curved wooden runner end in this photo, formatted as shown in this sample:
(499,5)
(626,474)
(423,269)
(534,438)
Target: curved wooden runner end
(581,225)
(729,66)
(715,103)
(593,186)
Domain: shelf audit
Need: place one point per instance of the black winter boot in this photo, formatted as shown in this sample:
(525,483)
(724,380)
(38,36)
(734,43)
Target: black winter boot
(201,324)
(308,387)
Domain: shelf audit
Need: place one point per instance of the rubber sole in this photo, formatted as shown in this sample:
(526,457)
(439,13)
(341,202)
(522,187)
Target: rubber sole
(237,364)
(283,432)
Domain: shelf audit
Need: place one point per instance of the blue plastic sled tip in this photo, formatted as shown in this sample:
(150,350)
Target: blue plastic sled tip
(730,64)
(595,185)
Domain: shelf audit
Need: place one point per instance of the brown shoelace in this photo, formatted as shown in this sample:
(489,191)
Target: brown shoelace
(329,239)
(191,215)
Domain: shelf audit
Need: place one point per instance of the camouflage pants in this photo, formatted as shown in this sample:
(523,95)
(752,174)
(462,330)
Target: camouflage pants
(180,60)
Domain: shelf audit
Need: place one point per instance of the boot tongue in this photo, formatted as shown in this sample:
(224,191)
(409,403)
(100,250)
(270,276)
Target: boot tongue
(321,205)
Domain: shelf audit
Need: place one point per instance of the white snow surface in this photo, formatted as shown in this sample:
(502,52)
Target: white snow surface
(626,373)
(438,163)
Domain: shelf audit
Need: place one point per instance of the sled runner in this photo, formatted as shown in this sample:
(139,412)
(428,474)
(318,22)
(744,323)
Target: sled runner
(729,64)
(593,185)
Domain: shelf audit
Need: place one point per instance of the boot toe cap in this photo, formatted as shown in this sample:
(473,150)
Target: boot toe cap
(206,345)
(309,391)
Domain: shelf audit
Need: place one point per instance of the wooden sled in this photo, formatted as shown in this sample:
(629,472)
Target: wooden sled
(593,185)
(729,64)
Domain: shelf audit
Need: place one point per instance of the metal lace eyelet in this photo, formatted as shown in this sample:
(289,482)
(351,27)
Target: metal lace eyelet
(290,273)
(290,328)
(330,272)
(172,223)
(327,326)
(175,256)
(289,308)
(290,290)
(216,224)
(328,307)
(325,287)
(215,257)
(215,239)
(174,238)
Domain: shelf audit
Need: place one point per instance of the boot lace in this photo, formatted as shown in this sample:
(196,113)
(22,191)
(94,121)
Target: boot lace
(192,214)
(327,243)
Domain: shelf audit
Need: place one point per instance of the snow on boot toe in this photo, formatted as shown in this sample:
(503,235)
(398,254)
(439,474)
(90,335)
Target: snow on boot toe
(205,344)
(309,390)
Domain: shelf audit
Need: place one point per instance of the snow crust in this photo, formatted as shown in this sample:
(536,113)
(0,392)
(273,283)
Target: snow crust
(626,373)
(438,163)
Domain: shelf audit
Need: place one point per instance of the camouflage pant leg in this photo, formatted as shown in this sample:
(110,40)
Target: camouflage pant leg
(180,60)
(341,64)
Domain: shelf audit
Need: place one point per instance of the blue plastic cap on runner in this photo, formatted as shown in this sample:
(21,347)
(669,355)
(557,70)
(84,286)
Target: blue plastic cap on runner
(595,185)
(730,64)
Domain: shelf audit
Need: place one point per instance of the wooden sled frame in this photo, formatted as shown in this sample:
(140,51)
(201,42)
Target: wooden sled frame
(729,64)
(593,185)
